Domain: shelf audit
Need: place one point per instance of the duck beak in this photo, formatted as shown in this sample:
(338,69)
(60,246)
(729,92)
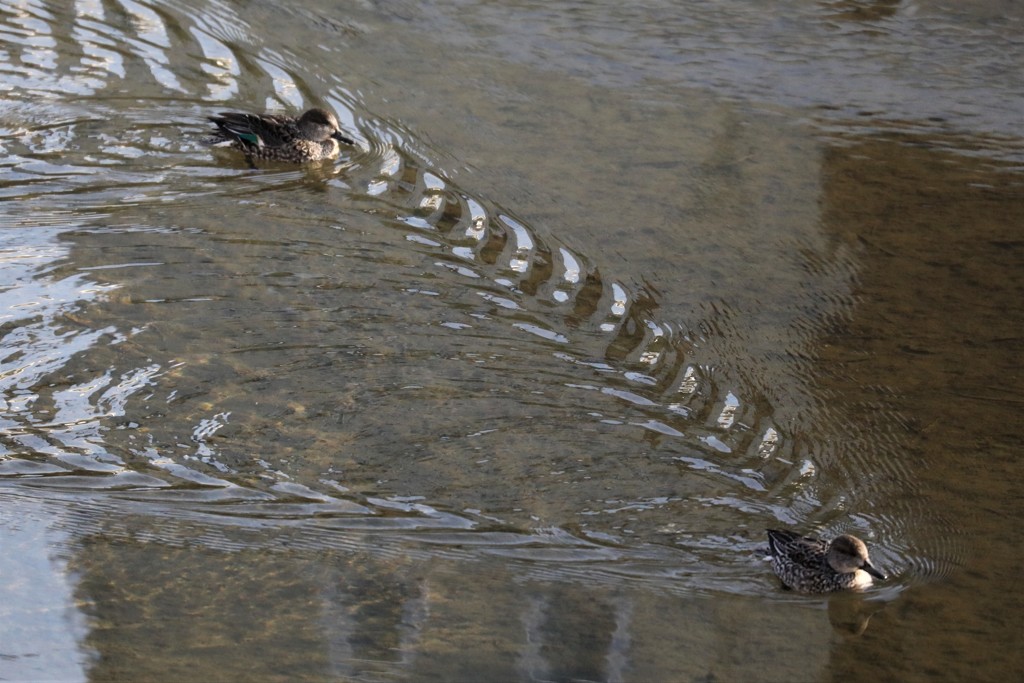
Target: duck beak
(874,572)
(337,135)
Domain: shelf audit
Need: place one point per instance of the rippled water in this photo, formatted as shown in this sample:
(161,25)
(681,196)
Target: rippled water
(512,389)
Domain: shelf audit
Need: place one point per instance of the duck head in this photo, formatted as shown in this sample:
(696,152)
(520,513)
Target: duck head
(848,553)
(319,125)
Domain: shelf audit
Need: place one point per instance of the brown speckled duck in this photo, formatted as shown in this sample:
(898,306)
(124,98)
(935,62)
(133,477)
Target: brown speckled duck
(272,137)
(810,565)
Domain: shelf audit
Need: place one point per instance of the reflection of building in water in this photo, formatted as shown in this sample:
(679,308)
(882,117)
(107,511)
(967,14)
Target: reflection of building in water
(571,635)
(507,629)
(42,630)
(371,615)
(934,342)
(177,598)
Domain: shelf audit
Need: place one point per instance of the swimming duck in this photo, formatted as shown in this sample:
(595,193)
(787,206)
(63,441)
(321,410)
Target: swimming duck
(272,137)
(810,565)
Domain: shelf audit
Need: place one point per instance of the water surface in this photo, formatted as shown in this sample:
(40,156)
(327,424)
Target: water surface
(511,390)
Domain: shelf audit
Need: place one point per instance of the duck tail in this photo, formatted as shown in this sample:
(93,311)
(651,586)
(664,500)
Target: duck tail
(776,539)
(235,127)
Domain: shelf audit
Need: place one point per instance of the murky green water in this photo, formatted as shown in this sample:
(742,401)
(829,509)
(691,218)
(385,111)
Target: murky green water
(510,391)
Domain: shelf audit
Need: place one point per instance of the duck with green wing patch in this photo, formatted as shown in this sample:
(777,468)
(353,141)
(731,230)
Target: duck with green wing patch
(314,136)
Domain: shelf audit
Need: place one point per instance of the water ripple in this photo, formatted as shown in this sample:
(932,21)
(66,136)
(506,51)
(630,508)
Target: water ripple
(91,403)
